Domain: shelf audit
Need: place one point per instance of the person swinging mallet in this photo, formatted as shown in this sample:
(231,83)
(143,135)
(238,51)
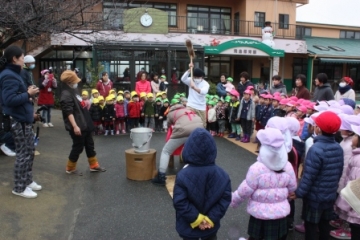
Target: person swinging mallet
(198,87)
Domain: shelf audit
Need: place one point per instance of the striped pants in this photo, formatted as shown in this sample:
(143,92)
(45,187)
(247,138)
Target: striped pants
(24,148)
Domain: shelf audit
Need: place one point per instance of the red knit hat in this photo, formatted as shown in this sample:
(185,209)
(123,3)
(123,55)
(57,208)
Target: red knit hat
(348,80)
(328,122)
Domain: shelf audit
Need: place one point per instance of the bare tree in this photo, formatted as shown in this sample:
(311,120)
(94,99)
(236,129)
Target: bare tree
(37,19)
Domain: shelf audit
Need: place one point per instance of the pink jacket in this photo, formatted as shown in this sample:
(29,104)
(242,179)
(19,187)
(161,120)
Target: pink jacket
(342,208)
(120,110)
(267,191)
(346,146)
(141,86)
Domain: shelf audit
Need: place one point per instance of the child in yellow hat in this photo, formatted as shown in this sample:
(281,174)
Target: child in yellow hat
(85,98)
(95,113)
(94,94)
(108,115)
(121,112)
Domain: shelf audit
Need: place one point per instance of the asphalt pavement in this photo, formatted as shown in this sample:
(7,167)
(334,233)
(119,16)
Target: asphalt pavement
(106,205)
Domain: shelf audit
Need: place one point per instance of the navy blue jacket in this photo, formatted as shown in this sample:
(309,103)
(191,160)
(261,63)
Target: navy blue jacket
(265,115)
(322,171)
(14,97)
(220,90)
(201,187)
(258,110)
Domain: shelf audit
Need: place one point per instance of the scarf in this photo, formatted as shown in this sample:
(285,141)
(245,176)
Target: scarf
(343,90)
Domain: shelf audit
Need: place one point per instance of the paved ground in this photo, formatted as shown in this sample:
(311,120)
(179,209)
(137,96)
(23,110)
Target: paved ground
(104,205)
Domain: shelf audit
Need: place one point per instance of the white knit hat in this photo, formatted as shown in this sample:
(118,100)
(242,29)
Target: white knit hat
(351,194)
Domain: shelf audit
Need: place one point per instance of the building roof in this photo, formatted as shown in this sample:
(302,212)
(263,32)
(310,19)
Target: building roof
(332,12)
(333,47)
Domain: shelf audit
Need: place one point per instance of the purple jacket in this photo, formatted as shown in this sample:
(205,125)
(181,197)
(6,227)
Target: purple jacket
(267,191)
(342,208)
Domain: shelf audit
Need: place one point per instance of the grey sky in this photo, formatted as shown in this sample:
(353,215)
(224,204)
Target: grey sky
(335,12)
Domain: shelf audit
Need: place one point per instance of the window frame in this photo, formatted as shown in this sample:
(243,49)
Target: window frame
(302,31)
(344,34)
(206,23)
(284,24)
(259,23)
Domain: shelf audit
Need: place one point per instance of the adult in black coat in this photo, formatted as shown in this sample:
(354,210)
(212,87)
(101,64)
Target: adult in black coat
(78,122)
(244,83)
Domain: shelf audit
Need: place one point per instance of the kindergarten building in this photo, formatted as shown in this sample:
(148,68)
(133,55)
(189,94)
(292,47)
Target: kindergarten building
(228,37)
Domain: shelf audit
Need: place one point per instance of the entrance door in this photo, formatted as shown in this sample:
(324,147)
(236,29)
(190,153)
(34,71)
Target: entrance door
(241,66)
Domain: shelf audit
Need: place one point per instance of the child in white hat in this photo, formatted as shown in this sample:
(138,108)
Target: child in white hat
(342,208)
(268,202)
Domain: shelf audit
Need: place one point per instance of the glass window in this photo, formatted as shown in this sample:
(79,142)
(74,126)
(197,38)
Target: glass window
(283,21)
(357,35)
(342,34)
(302,31)
(350,34)
(209,19)
(259,20)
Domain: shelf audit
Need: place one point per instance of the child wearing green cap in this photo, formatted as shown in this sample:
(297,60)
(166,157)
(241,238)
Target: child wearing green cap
(163,83)
(158,122)
(228,85)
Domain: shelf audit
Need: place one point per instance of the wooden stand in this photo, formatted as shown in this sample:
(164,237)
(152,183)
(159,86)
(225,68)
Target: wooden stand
(140,166)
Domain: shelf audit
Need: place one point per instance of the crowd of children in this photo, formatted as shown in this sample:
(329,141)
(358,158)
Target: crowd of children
(311,134)
(121,111)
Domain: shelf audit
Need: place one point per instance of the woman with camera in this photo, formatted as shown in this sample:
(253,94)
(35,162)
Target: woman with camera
(16,101)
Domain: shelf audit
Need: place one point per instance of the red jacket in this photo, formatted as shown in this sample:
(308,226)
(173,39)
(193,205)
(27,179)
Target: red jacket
(104,89)
(134,109)
(46,95)
(141,86)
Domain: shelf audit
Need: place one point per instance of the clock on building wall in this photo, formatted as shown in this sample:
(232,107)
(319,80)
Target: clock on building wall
(146,20)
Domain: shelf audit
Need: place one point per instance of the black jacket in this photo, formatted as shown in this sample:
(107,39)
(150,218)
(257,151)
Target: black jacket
(323,93)
(242,87)
(71,104)
(26,75)
(162,112)
(95,112)
(158,109)
(108,112)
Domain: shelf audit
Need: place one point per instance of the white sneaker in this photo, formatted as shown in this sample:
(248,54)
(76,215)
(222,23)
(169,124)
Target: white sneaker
(34,186)
(7,151)
(27,193)
(50,125)
(45,125)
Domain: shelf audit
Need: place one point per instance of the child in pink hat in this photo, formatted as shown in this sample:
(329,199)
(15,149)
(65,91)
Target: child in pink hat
(277,111)
(291,109)
(268,203)
(246,115)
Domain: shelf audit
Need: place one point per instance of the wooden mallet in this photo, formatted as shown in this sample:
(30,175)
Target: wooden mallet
(191,53)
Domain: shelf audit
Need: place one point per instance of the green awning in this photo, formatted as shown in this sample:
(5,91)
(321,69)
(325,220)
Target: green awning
(340,60)
(244,47)
(335,50)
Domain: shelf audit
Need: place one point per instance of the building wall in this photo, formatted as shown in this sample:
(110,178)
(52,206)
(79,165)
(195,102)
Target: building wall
(269,7)
(325,32)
